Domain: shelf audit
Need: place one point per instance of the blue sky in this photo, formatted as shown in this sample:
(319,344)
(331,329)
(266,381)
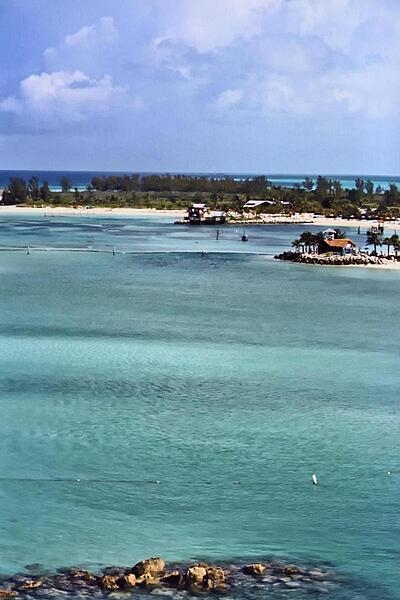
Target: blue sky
(274,86)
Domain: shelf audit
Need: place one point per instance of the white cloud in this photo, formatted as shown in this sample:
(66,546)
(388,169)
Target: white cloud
(86,49)
(51,98)
(104,30)
(299,57)
(228,98)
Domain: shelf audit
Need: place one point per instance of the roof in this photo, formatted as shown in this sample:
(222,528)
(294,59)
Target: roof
(254,203)
(339,243)
(198,206)
(329,231)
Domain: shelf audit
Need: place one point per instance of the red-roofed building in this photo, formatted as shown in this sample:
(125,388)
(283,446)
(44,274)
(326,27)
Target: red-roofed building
(339,246)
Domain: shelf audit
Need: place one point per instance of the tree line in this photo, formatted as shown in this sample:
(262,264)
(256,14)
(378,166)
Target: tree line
(321,194)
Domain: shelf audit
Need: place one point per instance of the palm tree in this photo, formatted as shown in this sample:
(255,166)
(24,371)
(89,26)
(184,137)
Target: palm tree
(339,234)
(296,245)
(374,239)
(395,242)
(396,248)
(307,239)
(388,242)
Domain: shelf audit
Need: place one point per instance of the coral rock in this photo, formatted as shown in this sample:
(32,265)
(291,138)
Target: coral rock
(150,566)
(254,569)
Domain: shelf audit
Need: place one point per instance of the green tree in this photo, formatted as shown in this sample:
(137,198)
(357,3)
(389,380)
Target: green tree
(339,234)
(308,239)
(45,192)
(374,239)
(65,184)
(16,192)
(336,188)
(360,184)
(308,184)
(323,191)
(395,241)
(392,195)
(388,242)
(34,188)
(369,187)
(296,244)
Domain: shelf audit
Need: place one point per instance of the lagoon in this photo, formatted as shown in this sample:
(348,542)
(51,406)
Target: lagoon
(199,373)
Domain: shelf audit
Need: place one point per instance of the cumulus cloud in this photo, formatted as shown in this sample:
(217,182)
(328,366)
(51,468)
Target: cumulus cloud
(52,98)
(298,57)
(89,48)
(174,67)
(104,30)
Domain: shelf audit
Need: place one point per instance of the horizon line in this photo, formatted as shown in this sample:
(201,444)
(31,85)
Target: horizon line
(228,173)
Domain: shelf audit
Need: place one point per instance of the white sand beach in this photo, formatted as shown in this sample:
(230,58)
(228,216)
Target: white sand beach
(82,211)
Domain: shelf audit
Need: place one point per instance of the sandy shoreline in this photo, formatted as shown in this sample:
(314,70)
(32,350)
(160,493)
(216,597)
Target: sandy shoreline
(303,220)
(64,211)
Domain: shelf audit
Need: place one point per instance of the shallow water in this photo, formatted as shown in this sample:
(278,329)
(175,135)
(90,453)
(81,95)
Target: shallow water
(229,379)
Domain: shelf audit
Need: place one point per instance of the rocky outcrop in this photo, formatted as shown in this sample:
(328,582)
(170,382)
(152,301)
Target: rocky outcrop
(195,575)
(150,567)
(174,579)
(334,259)
(30,584)
(109,582)
(127,581)
(151,575)
(254,569)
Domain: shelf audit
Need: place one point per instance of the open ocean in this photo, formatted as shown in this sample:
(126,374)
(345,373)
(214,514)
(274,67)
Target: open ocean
(159,365)
(81,179)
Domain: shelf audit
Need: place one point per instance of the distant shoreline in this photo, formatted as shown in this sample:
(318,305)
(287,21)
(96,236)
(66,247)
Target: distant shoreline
(303,220)
(82,211)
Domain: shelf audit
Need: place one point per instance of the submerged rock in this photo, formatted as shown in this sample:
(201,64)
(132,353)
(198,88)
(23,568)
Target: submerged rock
(254,569)
(30,584)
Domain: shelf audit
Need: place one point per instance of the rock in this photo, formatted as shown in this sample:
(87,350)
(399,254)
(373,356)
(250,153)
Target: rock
(254,569)
(30,584)
(150,566)
(215,578)
(290,570)
(127,581)
(81,574)
(196,575)
(147,580)
(173,579)
(109,582)
(119,571)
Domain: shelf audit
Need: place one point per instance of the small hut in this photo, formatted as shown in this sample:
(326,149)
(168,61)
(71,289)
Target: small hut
(340,246)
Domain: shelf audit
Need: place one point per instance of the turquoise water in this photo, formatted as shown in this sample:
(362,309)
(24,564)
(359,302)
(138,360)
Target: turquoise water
(199,373)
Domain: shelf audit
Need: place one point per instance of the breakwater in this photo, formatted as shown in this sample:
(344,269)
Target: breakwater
(153,575)
(334,259)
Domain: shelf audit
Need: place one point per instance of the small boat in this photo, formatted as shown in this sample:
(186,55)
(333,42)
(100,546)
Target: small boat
(244,237)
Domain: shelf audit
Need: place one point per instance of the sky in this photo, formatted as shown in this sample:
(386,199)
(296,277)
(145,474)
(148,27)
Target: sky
(235,86)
